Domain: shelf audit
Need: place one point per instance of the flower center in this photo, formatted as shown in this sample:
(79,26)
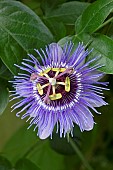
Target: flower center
(57,81)
(52,81)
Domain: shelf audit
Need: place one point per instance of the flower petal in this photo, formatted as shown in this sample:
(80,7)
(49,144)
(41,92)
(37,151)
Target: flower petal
(88,125)
(85,117)
(46,128)
(95,103)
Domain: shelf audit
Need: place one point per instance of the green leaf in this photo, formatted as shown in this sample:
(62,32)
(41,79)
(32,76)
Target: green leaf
(5,164)
(103,46)
(25,164)
(48,5)
(110,30)
(21,30)
(94,16)
(67,12)
(20,143)
(4,72)
(57,28)
(4,96)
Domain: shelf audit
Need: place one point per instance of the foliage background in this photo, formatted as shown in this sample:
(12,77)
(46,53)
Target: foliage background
(21,30)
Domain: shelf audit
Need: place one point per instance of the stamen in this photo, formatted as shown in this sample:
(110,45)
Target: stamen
(39,88)
(53,83)
(55,69)
(58,69)
(43,73)
(67,84)
(55,96)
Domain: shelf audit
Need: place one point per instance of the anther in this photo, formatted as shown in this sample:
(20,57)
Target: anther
(67,84)
(55,96)
(39,88)
(44,73)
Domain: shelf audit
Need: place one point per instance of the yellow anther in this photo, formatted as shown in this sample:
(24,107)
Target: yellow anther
(55,96)
(58,69)
(45,72)
(67,84)
(39,88)
(62,69)
(41,74)
(55,69)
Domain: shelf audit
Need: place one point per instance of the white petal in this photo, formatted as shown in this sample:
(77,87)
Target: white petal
(88,125)
(94,102)
(85,118)
(47,130)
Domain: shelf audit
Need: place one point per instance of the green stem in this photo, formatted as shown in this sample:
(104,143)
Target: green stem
(81,156)
(105,23)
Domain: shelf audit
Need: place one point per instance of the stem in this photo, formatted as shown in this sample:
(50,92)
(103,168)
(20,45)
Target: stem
(105,23)
(81,156)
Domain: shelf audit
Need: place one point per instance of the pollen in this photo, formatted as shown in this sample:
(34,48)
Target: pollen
(58,69)
(55,96)
(39,88)
(45,72)
(67,84)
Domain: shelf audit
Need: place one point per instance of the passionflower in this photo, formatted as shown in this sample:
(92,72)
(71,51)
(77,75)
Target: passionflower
(61,90)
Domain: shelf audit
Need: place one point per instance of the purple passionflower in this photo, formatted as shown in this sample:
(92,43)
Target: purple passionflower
(60,91)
